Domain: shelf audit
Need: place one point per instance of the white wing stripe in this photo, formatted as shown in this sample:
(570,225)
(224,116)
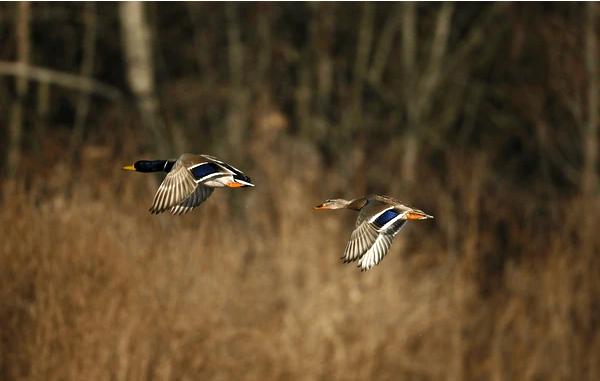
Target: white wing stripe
(376,253)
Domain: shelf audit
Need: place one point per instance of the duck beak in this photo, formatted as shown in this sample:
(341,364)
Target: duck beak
(319,207)
(417,215)
(129,168)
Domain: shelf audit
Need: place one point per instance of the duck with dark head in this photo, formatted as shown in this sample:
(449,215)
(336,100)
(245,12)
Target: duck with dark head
(190,180)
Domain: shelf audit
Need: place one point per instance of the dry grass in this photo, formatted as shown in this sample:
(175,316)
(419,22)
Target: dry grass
(94,287)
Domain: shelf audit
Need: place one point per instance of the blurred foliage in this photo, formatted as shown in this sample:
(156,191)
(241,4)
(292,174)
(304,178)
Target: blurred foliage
(510,83)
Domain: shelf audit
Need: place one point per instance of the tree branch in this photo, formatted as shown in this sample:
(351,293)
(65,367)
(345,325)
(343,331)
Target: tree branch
(59,78)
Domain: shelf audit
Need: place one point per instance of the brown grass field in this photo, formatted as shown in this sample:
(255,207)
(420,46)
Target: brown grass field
(250,285)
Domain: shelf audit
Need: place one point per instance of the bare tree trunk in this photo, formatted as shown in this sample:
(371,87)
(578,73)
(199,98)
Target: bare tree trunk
(421,85)
(352,118)
(430,79)
(590,176)
(87,68)
(409,58)
(303,95)
(322,36)
(42,109)
(356,121)
(385,45)
(237,118)
(140,71)
(16,119)
(363,51)
(590,133)
(263,24)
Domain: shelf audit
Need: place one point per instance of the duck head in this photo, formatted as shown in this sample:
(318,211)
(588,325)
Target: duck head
(336,203)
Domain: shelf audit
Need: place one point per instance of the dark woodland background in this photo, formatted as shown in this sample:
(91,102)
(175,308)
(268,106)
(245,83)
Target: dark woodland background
(484,115)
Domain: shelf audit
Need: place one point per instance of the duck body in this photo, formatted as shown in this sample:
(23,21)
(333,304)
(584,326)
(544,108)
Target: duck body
(380,219)
(190,180)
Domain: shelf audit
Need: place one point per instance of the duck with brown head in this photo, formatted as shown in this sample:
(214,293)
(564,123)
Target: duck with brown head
(380,218)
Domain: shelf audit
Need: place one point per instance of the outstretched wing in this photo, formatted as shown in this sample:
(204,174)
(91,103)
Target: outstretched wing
(376,252)
(361,240)
(196,198)
(373,236)
(177,186)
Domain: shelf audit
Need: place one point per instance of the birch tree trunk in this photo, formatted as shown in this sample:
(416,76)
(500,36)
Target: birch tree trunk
(15,131)
(137,47)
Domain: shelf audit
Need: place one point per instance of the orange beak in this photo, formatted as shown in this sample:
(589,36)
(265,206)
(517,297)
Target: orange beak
(233,184)
(417,215)
(318,207)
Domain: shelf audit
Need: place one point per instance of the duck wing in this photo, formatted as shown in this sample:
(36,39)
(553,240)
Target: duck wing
(361,240)
(196,198)
(376,252)
(177,186)
(373,236)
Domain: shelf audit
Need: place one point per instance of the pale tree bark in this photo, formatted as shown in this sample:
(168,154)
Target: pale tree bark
(137,47)
(15,132)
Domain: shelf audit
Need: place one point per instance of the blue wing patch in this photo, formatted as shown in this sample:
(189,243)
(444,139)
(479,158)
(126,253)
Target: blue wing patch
(204,170)
(385,217)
